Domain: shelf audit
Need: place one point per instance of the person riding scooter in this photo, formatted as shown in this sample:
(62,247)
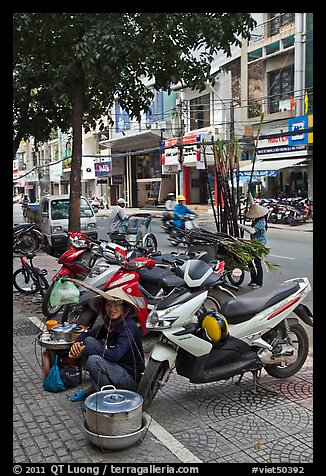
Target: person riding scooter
(180,211)
(167,217)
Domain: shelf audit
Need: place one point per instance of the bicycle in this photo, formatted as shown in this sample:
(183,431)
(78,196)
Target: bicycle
(29,279)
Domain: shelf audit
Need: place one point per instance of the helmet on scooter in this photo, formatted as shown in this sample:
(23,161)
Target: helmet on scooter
(215,327)
(181,198)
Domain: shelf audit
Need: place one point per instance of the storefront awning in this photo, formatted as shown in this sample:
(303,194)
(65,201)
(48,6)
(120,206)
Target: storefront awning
(134,141)
(269,168)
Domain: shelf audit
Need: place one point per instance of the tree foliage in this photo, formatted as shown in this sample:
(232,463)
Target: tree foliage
(70,68)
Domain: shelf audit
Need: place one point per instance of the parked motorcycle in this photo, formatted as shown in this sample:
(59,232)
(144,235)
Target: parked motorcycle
(26,238)
(148,284)
(98,276)
(252,332)
(76,262)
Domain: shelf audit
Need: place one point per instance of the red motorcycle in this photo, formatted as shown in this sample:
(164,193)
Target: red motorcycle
(76,262)
(126,278)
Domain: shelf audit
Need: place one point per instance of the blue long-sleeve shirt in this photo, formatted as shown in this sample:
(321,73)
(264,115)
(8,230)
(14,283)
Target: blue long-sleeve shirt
(123,346)
(259,224)
(181,211)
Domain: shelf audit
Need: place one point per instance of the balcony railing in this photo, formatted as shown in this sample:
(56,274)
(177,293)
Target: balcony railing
(278,23)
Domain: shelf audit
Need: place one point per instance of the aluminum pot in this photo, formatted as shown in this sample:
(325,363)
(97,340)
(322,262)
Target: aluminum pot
(76,331)
(114,412)
(62,331)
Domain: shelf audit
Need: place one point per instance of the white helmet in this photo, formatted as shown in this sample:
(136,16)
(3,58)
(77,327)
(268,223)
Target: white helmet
(121,201)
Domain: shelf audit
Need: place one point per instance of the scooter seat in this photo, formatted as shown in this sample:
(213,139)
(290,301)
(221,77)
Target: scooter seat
(163,277)
(153,275)
(242,308)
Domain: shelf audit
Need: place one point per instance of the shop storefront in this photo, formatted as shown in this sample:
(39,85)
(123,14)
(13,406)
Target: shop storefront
(136,174)
(284,159)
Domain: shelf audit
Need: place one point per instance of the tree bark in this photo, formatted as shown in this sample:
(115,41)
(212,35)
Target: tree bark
(76,162)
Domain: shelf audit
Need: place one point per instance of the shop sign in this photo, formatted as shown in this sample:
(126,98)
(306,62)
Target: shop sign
(102,169)
(117,179)
(297,124)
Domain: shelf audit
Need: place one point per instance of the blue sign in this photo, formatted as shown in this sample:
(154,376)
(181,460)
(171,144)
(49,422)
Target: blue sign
(122,119)
(295,124)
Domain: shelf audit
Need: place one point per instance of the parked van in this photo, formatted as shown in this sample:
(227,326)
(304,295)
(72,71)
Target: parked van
(51,218)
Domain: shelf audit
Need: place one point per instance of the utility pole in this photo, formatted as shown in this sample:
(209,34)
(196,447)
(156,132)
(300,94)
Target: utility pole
(181,133)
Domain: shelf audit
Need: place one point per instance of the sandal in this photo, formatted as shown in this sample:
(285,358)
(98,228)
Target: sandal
(79,396)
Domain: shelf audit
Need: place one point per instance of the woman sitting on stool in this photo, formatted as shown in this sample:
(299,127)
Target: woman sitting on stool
(113,351)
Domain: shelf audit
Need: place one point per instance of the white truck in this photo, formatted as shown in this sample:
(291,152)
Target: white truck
(51,217)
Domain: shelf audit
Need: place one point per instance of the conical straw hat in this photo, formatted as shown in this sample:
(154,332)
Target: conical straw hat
(256,211)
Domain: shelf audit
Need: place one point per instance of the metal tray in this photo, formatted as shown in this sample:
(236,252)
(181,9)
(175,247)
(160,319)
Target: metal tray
(116,442)
(53,345)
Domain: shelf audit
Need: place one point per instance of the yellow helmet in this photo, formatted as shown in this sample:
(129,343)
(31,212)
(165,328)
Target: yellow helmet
(215,326)
(181,197)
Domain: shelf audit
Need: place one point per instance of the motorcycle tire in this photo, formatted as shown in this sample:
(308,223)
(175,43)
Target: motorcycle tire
(24,283)
(79,315)
(301,338)
(272,219)
(43,285)
(28,243)
(236,281)
(150,240)
(210,304)
(150,381)
(47,309)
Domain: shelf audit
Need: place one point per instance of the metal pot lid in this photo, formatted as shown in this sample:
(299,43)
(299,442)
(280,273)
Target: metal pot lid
(64,327)
(114,401)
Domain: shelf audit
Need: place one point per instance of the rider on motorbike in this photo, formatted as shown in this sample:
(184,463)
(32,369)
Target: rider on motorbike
(180,211)
(169,205)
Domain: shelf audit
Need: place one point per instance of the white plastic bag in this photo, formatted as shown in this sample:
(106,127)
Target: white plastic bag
(64,292)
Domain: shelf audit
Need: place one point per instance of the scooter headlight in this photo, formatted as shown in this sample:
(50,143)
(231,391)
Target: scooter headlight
(160,319)
(152,320)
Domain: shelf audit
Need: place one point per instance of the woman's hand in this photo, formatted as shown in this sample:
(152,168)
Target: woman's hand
(76,350)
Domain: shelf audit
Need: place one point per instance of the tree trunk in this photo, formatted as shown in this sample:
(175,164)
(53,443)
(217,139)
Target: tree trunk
(16,143)
(76,162)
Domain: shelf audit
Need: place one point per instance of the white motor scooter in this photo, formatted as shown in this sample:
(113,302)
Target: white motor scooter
(249,333)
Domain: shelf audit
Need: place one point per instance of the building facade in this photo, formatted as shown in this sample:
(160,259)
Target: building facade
(144,161)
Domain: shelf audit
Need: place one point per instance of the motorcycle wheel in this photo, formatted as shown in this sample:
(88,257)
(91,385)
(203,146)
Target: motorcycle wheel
(150,381)
(236,280)
(300,340)
(43,285)
(28,243)
(23,282)
(47,309)
(150,240)
(79,315)
(210,304)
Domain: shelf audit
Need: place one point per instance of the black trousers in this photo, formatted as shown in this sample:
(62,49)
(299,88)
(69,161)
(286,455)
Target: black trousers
(256,271)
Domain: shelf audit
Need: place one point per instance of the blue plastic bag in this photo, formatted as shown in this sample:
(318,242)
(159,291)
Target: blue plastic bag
(53,381)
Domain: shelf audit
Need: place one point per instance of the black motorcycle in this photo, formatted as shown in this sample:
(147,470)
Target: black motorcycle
(26,238)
